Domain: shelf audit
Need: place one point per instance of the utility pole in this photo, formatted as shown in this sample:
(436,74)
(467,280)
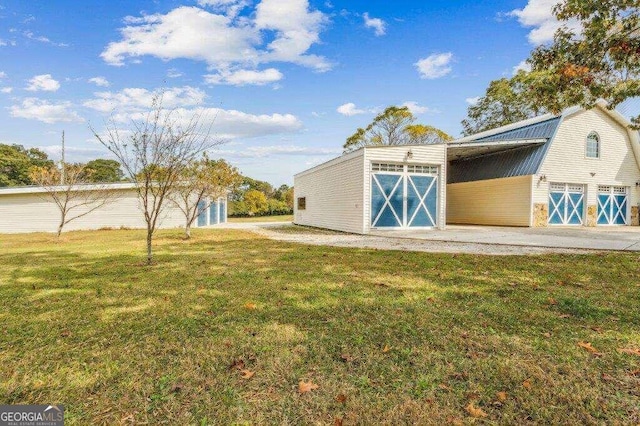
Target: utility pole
(62,166)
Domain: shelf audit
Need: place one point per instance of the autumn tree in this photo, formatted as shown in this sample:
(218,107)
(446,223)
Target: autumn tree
(506,101)
(598,60)
(70,194)
(155,153)
(256,202)
(201,183)
(394,126)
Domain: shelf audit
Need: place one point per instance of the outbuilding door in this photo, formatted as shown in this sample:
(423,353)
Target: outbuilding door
(566,204)
(404,196)
(612,205)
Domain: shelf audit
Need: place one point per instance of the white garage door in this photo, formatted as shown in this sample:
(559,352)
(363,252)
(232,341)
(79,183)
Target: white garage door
(404,196)
(612,205)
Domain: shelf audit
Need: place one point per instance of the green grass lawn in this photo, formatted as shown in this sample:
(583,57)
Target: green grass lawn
(387,337)
(281,218)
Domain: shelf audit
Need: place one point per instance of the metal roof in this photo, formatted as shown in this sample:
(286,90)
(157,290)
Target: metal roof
(513,160)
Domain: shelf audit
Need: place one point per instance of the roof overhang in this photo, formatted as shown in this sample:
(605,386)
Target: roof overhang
(465,150)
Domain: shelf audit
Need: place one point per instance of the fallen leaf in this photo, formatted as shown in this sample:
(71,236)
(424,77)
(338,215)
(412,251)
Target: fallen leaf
(65,333)
(250,306)
(527,384)
(238,364)
(305,387)
(338,421)
(596,329)
(444,387)
(247,374)
(342,398)
(502,396)
(386,348)
(346,358)
(552,301)
(177,387)
(635,373)
(630,351)
(607,378)
(475,411)
(565,316)
(588,347)
(546,334)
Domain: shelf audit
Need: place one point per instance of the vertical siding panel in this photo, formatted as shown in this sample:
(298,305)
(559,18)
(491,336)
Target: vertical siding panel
(505,202)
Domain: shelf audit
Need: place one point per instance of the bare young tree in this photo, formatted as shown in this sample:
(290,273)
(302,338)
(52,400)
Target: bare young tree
(202,183)
(154,153)
(67,188)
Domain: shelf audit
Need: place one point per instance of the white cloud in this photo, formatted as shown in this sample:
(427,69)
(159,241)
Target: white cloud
(100,81)
(377,24)
(31,36)
(229,124)
(473,101)
(41,110)
(174,73)
(229,7)
(350,109)
(3,75)
(538,14)
(522,66)
(282,150)
(245,77)
(43,82)
(222,41)
(435,66)
(136,99)
(6,90)
(416,108)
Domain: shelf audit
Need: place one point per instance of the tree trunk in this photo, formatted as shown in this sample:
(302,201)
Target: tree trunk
(60,226)
(149,251)
(187,231)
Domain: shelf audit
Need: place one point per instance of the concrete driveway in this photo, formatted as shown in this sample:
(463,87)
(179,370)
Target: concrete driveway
(625,238)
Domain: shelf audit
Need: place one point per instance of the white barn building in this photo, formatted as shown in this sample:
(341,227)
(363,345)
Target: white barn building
(579,168)
(30,209)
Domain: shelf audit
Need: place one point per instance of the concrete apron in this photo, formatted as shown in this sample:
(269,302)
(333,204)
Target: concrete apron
(621,238)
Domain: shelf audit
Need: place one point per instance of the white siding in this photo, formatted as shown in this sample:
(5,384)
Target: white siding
(505,202)
(566,161)
(333,193)
(33,213)
(435,155)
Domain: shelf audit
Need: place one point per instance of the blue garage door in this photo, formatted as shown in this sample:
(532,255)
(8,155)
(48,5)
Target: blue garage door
(406,197)
(612,205)
(214,214)
(223,210)
(202,216)
(566,204)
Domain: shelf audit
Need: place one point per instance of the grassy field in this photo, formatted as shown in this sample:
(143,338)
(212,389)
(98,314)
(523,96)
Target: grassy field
(283,218)
(225,327)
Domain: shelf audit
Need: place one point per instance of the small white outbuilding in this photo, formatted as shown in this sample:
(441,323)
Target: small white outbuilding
(30,209)
(382,187)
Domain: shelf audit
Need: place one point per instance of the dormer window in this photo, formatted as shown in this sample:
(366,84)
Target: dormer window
(593,145)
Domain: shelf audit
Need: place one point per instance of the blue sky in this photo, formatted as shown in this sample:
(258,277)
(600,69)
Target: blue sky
(286,80)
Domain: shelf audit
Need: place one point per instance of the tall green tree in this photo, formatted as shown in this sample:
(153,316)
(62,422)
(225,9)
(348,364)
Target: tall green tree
(16,162)
(394,126)
(102,170)
(505,101)
(600,60)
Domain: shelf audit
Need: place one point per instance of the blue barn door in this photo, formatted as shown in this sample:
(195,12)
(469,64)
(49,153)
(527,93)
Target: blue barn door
(566,204)
(422,201)
(612,205)
(223,210)
(387,204)
(202,213)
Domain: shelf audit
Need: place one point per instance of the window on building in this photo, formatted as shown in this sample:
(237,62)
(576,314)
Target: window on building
(302,203)
(593,145)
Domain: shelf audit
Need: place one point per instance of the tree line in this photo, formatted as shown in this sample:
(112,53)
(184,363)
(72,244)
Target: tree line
(258,198)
